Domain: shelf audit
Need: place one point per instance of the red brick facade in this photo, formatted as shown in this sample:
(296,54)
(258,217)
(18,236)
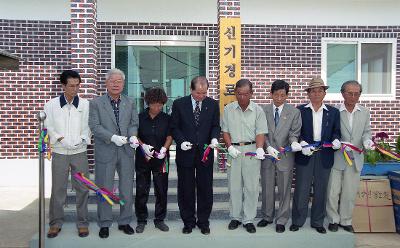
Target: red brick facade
(269,52)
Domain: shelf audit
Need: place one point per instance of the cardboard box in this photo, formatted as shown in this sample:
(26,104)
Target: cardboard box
(373,210)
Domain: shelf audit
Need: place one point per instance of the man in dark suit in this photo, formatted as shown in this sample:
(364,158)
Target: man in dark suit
(195,122)
(320,124)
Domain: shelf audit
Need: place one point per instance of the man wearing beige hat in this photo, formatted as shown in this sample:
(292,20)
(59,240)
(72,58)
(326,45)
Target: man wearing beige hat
(320,124)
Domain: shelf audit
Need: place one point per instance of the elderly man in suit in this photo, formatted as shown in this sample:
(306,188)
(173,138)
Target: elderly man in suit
(320,124)
(344,179)
(284,124)
(113,119)
(194,123)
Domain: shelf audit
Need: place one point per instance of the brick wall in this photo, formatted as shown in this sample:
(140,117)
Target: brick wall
(269,52)
(293,53)
(44,49)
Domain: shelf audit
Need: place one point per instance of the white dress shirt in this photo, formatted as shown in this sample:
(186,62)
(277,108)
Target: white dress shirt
(317,120)
(350,116)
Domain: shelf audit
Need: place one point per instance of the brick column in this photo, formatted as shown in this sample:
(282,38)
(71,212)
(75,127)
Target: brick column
(228,8)
(83,44)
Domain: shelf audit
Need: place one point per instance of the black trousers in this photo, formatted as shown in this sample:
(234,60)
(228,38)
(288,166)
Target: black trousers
(312,174)
(195,180)
(160,182)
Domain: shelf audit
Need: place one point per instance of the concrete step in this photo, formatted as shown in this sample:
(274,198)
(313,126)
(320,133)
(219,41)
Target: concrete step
(220,237)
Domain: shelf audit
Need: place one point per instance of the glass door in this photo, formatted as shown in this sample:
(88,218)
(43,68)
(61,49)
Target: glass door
(167,64)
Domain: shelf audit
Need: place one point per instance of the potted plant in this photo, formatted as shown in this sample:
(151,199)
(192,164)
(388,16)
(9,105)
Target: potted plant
(376,162)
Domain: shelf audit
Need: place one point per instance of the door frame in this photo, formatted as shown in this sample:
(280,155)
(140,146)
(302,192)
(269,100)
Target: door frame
(164,40)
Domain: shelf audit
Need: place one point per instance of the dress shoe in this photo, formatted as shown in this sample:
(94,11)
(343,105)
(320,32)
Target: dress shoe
(103,233)
(319,229)
(294,228)
(234,224)
(140,227)
(333,227)
(83,232)
(127,229)
(250,228)
(162,226)
(263,223)
(186,230)
(205,230)
(348,228)
(53,232)
(279,228)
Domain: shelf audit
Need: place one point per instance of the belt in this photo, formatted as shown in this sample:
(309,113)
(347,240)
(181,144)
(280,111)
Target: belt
(244,143)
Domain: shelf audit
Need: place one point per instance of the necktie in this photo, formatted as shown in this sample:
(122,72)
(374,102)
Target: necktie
(276,118)
(196,113)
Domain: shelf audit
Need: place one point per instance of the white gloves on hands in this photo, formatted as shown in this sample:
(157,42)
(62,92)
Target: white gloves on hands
(148,150)
(272,151)
(186,145)
(214,143)
(162,153)
(336,144)
(306,150)
(260,153)
(233,152)
(296,147)
(369,144)
(65,143)
(134,142)
(119,140)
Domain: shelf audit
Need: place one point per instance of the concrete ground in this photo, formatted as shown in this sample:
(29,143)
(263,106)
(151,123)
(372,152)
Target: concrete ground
(19,221)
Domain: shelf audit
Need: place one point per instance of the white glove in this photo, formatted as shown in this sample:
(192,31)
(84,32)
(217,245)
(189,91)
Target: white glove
(119,140)
(347,149)
(214,143)
(369,144)
(272,151)
(336,144)
(162,153)
(134,142)
(233,152)
(296,147)
(260,153)
(186,145)
(148,150)
(305,150)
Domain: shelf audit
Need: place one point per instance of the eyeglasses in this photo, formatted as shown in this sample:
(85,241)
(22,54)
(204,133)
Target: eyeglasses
(353,94)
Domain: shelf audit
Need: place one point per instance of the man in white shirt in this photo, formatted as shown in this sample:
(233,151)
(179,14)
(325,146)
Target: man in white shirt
(345,179)
(320,124)
(67,126)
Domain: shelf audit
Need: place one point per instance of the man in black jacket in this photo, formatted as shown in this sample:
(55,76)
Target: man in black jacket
(195,122)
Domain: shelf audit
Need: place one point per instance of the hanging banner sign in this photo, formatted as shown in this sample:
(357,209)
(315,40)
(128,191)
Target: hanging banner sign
(229,59)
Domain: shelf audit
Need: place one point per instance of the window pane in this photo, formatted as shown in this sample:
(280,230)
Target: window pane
(376,68)
(341,65)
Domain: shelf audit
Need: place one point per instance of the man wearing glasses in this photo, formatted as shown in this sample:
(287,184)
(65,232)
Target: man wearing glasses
(344,179)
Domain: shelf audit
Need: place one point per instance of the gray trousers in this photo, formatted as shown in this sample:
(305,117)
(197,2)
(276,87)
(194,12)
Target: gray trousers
(284,182)
(243,185)
(342,191)
(61,165)
(312,173)
(105,173)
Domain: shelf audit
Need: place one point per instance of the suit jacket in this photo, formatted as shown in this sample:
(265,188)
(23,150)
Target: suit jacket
(184,129)
(287,131)
(103,124)
(360,132)
(330,131)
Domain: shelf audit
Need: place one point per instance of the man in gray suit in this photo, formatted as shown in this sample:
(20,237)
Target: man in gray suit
(284,125)
(112,119)
(345,179)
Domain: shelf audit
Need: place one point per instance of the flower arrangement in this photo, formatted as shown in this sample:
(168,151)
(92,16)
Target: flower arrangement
(381,140)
